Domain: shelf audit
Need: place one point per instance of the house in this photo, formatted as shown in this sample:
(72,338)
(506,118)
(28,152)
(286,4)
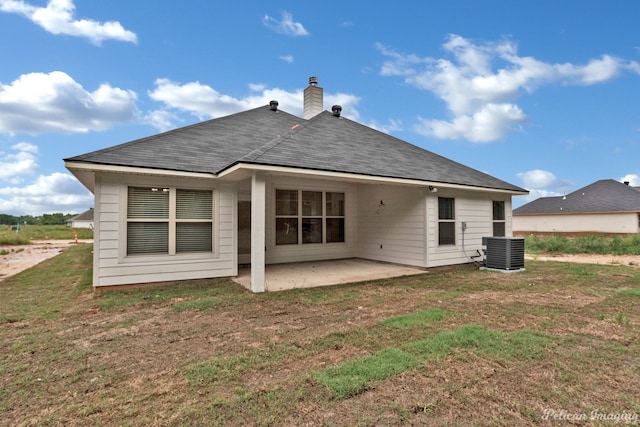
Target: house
(606,206)
(264,186)
(83,220)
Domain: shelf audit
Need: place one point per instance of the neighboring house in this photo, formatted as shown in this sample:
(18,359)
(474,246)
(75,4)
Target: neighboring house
(264,186)
(606,206)
(83,220)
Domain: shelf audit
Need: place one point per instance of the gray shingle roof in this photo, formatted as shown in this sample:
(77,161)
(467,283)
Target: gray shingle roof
(275,138)
(606,195)
(207,147)
(84,216)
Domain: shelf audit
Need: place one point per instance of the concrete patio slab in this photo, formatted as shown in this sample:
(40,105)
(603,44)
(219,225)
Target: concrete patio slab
(323,273)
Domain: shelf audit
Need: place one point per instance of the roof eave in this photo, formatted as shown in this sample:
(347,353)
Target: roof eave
(99,167)
(237,169)
(85,172)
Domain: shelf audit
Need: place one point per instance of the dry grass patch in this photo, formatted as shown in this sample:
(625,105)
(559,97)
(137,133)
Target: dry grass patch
(455,346)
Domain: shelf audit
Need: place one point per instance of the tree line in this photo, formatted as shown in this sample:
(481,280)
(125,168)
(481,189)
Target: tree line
(44,219)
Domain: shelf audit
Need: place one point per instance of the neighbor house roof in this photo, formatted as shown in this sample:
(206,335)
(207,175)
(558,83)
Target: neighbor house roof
(606,195)
(263,136)
(84,216)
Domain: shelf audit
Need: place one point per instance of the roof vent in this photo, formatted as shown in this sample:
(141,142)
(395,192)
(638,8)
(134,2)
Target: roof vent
(273,105)
(313,81)
(627,183)
(336,110)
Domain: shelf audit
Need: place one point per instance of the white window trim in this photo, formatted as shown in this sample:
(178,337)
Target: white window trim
(172,220)
(438,221)
(300,216)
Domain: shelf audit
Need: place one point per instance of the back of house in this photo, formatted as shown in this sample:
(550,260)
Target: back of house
(264,186)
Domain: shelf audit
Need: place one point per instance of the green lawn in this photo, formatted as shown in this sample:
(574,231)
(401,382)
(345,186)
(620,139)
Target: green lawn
(455,346)
(26,233)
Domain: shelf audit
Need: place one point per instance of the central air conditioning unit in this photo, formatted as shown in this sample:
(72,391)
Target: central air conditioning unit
(504,253)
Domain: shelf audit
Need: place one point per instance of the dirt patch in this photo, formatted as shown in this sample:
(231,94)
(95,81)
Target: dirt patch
(17,258)
(553,298)
(630,260)
(132,358)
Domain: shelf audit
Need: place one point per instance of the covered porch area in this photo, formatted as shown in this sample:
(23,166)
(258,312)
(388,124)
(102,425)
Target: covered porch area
(300,230)
(323,273)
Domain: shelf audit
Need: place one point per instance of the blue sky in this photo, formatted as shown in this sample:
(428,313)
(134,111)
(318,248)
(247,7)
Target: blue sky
(540,93)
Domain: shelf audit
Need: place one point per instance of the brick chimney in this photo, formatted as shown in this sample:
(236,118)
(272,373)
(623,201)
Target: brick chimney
(313,99)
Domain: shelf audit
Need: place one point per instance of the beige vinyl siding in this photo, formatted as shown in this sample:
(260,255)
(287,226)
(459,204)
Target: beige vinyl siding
(393,231)
(114,267)
(474,208)
(106,218)
(277,254)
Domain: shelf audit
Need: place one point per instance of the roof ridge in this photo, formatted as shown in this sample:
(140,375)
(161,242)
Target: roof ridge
(258,152)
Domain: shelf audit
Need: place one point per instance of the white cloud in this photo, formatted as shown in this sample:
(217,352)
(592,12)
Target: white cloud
(401,64)
(347,101)
(16,165)
(289,59)
(534,194)
(57,18)
(200,100)
(58,192)
(392,126)
(480,83)
(537,178)
(54,102)
(53,193)
(487,124)
(257,87)
(542,183)
(163,120)
(632,178)
(285,26)
(204,102)
(634,66)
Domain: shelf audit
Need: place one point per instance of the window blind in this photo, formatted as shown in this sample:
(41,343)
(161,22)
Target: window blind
(194,204)
(148,203)
(150,217)
(193,237)
(147,238)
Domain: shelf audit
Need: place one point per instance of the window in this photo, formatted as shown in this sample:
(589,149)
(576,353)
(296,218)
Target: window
(335,217)
(286,217)
(194,221)
(147,220)
(312,217)
(307,217)
(169,221)
(498,219)
(446,221)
